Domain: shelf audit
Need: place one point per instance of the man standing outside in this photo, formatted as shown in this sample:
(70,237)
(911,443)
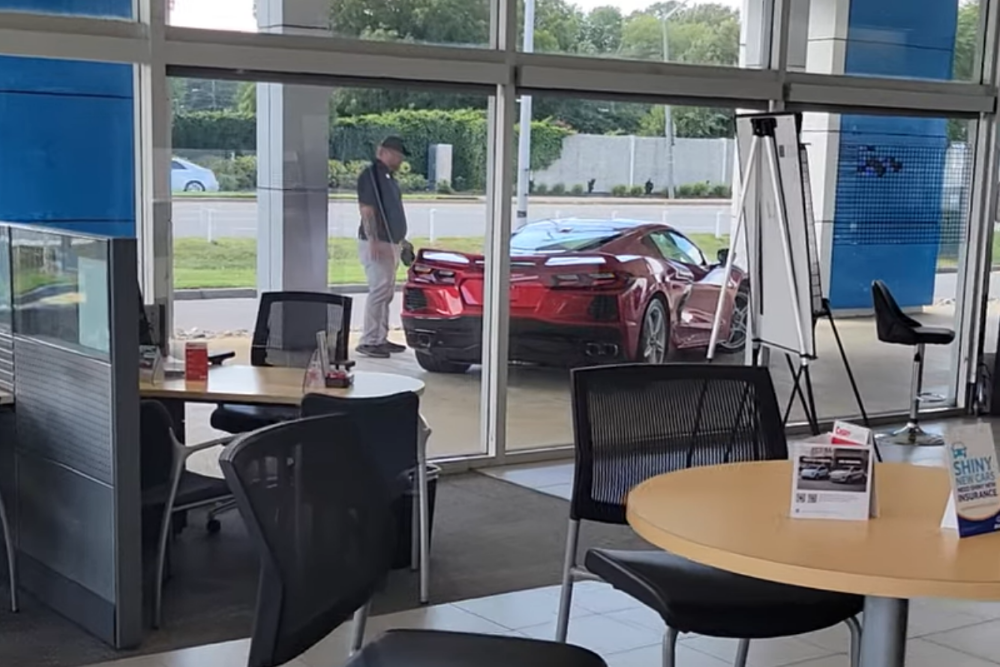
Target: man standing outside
(380,237)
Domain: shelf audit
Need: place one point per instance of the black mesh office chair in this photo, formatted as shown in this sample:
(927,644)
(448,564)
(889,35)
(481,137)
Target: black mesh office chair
(166,483)
(319,512)
(285,335)
(896,327)
(634,422)
(398,436)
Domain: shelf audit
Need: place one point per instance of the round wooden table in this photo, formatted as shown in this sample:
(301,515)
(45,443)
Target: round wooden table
(736,518)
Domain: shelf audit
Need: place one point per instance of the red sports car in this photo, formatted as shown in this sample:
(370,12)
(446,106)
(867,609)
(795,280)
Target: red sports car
(582,292)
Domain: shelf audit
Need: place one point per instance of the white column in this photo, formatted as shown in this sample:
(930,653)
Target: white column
(293,137)
(819,45)
(154,215)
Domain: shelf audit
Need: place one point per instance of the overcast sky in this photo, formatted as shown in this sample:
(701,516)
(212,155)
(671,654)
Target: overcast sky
(238,14)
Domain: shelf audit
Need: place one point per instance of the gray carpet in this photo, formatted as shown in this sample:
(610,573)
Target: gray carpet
(489,537)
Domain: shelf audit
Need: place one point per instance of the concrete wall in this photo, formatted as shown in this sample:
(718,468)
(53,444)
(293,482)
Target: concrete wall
(616,160)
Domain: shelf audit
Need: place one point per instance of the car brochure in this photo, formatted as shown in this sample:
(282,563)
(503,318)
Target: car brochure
(973,505)
(833,475)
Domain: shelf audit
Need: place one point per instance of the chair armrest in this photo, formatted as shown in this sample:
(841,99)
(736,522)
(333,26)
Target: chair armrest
(217,358)
(186,450)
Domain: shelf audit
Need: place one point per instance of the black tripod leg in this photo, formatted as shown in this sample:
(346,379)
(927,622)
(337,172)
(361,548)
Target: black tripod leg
(810,403)
(796,389)
(847,366)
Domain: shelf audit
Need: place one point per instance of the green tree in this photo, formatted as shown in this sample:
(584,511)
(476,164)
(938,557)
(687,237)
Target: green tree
(966,41)
(602,31)
(690,122)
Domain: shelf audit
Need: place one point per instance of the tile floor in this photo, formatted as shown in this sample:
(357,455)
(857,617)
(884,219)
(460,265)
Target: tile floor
(942,633)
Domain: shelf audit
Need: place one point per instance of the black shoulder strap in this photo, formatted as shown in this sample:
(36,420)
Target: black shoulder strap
(378,200)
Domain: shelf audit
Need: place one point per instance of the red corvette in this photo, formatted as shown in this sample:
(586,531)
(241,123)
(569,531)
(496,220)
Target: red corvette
(582,292)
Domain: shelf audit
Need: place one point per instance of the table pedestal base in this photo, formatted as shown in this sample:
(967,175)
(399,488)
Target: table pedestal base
(883,640)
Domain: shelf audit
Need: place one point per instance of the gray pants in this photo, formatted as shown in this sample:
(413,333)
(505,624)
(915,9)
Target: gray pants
(381,275)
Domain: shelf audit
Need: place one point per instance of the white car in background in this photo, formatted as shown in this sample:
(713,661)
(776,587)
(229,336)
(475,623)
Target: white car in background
(188,177)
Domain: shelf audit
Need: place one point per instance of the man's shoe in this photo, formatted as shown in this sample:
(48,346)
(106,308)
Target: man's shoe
(393,348)
(373,351)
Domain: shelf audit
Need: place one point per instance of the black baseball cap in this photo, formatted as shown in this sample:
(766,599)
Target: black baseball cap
(395,144)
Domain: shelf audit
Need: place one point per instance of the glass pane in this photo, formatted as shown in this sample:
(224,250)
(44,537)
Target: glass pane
(608,268)
(891,199)
(230,193)
(60,289)
(930,40)
(446,22)
(689,31)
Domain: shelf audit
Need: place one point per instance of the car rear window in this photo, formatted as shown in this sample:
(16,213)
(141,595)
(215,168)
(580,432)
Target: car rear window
(553,238)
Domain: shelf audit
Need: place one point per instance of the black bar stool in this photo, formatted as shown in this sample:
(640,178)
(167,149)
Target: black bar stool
(895,326)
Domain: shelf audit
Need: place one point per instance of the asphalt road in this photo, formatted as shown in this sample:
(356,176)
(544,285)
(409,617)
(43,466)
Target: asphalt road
(239,217)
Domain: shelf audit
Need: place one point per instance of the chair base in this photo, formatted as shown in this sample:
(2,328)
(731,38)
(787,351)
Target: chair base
(912,435)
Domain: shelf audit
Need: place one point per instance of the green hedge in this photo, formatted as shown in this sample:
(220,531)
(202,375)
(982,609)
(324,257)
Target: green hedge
(353,139)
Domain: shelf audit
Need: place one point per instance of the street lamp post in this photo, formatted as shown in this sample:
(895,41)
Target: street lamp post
(524,138)
(668,113)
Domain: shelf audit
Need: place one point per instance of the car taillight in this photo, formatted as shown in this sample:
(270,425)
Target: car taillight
(593,280)
(429,274)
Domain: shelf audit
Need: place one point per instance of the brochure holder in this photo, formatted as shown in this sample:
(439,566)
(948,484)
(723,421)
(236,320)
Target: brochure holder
(973,504)
(833,475)
(150,364)
(324,374)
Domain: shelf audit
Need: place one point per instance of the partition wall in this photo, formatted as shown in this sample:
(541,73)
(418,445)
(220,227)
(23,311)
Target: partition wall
(900,117)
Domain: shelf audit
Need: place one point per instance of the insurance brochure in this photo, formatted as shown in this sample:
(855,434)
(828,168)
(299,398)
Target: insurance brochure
(974,504)
(833,475)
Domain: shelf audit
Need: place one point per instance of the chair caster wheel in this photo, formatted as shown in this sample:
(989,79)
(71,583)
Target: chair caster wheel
(213,526)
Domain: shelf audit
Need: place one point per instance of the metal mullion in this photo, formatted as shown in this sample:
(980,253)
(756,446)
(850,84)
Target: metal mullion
(972,293)
(153,153)
(329,56)
(607,78)
(74,38)
(897,96)
(496,295)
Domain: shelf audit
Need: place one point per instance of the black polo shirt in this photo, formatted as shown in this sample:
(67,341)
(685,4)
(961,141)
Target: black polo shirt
(391,216)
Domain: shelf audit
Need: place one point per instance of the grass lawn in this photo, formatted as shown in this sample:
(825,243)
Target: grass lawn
(232,262)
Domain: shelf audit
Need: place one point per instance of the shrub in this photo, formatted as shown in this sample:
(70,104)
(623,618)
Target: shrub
(619,191)
(344,176)
(353,138)
(693,190)
(636,191)
(578,189)
(722,192)
(558,189)
(238,174)
(444,188)
(541,189)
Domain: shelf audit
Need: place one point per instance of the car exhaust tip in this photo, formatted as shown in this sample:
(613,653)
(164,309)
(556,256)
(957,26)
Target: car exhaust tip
(593,350)
(610,350)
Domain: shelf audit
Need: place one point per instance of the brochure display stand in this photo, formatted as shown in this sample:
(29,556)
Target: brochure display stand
(974,503)
(777,228)
(833,475)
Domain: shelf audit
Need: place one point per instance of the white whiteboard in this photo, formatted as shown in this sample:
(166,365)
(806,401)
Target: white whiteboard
(775,290)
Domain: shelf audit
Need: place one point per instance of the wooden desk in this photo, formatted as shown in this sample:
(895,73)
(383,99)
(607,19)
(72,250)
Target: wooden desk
(252,385)
(735,518)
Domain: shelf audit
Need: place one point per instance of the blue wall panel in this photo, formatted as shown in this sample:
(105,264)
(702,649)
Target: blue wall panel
(888,214)
(106,8)
(67,134)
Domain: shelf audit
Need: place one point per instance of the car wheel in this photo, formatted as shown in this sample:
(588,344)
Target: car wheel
(433,364)
(194,186)
(654,339)
(737,340)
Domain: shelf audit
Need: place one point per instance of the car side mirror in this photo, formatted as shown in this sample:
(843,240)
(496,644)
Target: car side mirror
(723,255)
